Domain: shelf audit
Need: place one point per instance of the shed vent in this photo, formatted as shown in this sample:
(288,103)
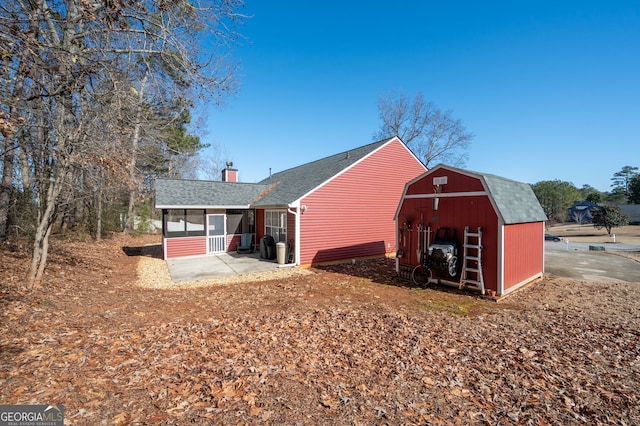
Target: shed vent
(440,180)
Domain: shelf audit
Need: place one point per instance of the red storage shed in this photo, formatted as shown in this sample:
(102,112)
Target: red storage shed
(471,228)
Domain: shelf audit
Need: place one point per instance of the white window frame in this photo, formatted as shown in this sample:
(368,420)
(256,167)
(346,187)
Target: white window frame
(275,224)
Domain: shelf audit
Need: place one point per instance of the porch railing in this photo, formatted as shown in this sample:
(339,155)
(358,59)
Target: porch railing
(217,244)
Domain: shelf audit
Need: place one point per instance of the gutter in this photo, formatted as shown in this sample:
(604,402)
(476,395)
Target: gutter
(296,246)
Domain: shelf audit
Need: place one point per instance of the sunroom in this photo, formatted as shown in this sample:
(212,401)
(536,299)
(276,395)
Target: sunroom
(205,217)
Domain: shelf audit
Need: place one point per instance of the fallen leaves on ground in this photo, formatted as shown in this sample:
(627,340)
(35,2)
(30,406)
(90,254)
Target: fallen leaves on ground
(343,344)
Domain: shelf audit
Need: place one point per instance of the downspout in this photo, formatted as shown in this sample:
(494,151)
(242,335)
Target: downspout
(296,245)
(164,239)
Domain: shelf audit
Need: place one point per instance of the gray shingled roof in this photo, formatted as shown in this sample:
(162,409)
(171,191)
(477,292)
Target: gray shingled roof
(183,193)
(282,188)
(292,184)
(515,201)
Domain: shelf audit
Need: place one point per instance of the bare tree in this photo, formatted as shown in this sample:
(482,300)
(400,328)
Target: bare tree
(105,159)
(135,141)
(210,165)
(61,51)
(6,184)
(10,125)
(579,216)
(435,136)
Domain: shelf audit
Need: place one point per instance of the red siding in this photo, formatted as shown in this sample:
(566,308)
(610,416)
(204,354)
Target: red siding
(259,225)
(352,215)
(188,246)
(456,213)
(456,182)
(233,240)
(523,252)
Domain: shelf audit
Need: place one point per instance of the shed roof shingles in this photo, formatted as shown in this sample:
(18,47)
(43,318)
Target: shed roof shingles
(516,201)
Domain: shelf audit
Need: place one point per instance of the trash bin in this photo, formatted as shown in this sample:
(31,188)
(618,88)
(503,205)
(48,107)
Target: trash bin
(281,250)
(267,248)
(263,248)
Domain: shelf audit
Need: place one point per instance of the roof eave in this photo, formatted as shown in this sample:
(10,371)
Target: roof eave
(193,207)
(271,206)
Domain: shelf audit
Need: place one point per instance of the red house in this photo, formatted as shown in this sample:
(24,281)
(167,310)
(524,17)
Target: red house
(334,209)
(471,229)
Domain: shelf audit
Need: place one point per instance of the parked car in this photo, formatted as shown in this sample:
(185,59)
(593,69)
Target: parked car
(549,237)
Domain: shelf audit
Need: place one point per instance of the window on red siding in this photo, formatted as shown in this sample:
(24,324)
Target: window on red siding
(276,224)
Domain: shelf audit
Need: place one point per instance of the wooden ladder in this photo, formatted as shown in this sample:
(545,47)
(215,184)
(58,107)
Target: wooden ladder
(472,260)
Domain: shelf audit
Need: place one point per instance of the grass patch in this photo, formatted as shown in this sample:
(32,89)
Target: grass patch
(450,303)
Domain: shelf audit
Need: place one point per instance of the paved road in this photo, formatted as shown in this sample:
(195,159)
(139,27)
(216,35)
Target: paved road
(575,260)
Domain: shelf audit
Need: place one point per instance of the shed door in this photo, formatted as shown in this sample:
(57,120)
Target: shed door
(217,240)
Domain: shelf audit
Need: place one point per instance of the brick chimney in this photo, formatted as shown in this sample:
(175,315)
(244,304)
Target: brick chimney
(229,174)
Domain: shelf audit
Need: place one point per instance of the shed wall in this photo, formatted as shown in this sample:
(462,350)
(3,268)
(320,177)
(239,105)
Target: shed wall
(523,253)
(456,183)
(456,213)
(352,216)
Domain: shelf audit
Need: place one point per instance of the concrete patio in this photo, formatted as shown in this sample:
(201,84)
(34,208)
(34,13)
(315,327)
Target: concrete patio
(218,265)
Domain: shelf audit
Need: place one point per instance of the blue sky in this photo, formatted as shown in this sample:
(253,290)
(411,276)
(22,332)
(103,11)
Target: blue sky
(551,89)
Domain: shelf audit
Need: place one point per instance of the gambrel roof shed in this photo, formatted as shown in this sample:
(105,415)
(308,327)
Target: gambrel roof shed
(507,211)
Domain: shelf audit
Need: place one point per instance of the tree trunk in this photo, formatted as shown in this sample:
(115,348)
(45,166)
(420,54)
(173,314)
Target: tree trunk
(6,187)
(99,215)
(44,254)
(25,168)
(41,241)
(133,178)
